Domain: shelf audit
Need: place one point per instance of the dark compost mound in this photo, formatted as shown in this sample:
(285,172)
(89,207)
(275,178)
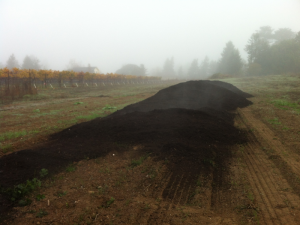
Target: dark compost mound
(191,134)
(231,88)
(188,124)
(193,95)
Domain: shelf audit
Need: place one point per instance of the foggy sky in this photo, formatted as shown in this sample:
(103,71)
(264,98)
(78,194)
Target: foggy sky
(109,34)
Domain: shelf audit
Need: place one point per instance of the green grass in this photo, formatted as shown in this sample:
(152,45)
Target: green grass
(138,162)
(41,213)
(285,104)
(111,201)
(70,168)
(11,135)
(274,121)
(78,103)
(108,107)
(21,190)
(61,193)
(90,117)
(6,148)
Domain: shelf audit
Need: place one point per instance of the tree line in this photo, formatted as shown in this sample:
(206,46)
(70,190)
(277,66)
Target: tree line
(269,52)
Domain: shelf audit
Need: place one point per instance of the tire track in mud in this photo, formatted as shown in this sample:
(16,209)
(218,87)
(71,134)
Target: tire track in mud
(286,161)
(175,191)
(267,137)
(267,185)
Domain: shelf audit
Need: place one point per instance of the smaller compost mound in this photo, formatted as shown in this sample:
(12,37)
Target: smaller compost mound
(193,95)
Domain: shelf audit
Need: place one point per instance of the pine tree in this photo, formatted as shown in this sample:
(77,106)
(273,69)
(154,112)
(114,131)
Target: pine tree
(12,62)
(230,62)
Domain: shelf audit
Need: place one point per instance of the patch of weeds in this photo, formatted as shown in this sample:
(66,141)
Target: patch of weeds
(284,104)
(24,202)
(21,190)
(108,203)
(250,196)
(106,170)
(108,107)
(40,197)
(41,213)
(10,135)
(89,117)
(127,202)
(70,168)
(6,148)
(31,211)
(97,161)
(43,172)
(34,132)
(16,114)
(36,111)
(274,121)
(147,206)
(199,183)
(209,161)
(61,193)
(152,173)
(286,128)
(138,162)
(78,103)
(102,190)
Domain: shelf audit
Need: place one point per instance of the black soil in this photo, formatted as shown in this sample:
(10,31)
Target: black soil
(187,125)
(193,95)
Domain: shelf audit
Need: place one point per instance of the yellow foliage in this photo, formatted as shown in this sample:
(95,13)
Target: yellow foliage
(44,75)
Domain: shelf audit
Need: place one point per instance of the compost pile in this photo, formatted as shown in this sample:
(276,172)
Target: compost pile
(193,95)
(189,124)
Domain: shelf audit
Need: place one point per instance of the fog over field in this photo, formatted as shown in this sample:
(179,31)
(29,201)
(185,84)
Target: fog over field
(110,34)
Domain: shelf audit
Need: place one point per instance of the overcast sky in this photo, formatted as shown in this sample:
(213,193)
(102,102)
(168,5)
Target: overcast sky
(109,34)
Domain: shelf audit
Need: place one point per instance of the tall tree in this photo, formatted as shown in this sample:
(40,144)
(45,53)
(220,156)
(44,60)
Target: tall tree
(31,62)
(285,57)
(12,62)
(265,32)
(204,67)
(168,69)
(230,62)
(256,48)
(284,34)
(213,67)
(193,72)
(297,37)
(180,73)
(73,64)
(132,69)
(143,70)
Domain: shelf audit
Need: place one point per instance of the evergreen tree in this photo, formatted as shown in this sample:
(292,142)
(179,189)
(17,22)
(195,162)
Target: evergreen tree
(204,67)
(12,62)
(31,62)
(213,67)
(193,72)
(284,34)
(230,62)
(168,69)
(132,69)
(180,73)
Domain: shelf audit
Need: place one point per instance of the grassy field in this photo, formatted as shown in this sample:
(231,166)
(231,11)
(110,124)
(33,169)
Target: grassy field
(264,179)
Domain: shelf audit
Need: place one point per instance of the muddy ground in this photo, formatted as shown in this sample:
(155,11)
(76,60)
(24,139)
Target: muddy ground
(180,164)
